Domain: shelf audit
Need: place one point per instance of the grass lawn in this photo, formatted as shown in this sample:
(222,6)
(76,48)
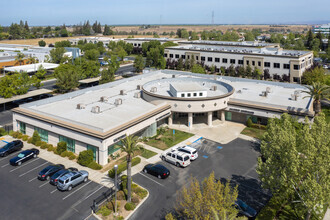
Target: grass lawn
(145,153)
(253,132)
(167,139)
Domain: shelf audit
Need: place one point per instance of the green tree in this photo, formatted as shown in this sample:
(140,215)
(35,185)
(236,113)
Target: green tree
(257,73)
(87,68)
(249,36)
(129,147)
(310,38)
(138,63)
(296,162)
(19,58)
(196,68)
(67,77)
(32,60)
(40,74)
(35,137)
(121,53)
(316,91)
(315,75)
(209,200)
(92,54)
(107,30)
(63,43)
(315,45)
(42,43)
(319,38)
(108,75)
(85,157)
(7,86)
(248,71)
(57,54)
(180,64)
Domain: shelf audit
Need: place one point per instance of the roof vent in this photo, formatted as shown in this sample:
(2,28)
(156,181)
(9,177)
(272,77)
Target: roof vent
(96,109)
(268,90)
(264,93)
(122,92)
(139,87)
(118,102)
(81,106)
(153,89)
(137,95)
(104,99)
(173,76)
(214,88)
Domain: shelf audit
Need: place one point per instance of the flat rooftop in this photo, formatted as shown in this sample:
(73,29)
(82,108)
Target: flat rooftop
(150,39)
(244,50)
(188,87)
(31,67)
(231,43)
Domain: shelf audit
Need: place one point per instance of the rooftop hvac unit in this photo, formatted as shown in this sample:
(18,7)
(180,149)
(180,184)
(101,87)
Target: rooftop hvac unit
(122,92)
(297,93)
(104,99)
(118,101)
(96,109)
(153,89)
(214,88)
(294,97)
(139,87)
(264,93)
(137,95)
(81,106)
(173,76)
(268,90)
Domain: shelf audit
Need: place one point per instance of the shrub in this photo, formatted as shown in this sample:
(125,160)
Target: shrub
(249,123)
(11,132)
(25,137)
(123,166)
(110,206)
(85,157)
(135,199)
(121,195)
(104,211)
(14,134)
(142,193)
(43,145)
(95,166)
(124,181)
(72,157)
(19,135)
(50,147)
(2,132)
(129,206)
(38,143)
(258,126)
(35,137)
(120,218)
(29,140)
(69,153)
(64,154)
(61,147)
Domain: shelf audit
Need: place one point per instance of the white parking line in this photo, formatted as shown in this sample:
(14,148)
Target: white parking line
(89,196)
(151,179)
(7,157)
(43,184)
(32,179)
(53,191)
(5,165)
(33,169)
(25,164)
(77,190)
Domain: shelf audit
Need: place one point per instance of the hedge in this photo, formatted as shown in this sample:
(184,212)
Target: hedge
(85,157)
(130,206)
(61,147)
(95,166)
(123,166)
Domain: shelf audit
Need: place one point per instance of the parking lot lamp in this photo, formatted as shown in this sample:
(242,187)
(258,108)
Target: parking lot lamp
(116,168)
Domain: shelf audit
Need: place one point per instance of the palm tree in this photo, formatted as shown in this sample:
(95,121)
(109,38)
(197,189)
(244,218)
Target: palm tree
(316,92)
(32,60)
(19,58)
(129,146)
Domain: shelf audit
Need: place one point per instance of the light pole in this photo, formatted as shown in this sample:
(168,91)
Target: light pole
(116,168)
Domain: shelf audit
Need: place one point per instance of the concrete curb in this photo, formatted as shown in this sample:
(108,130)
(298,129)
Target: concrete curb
(143,200)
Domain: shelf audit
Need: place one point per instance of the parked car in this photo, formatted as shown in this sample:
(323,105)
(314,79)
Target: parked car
(24,156)
(72,179)
(54,179)
(157,170)
(189,150)
(49,171)
(176,157)
(11,147)
(244,209)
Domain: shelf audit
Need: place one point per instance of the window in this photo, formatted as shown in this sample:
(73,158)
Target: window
(173,155)
(200,94)
(22,127)
(224,60)
(177,56)
(253,63)
(169,154)
(165,54)
(188,57)
(182,95)
(296,67)
(267,64)
(171,55)
(188,94)
(286,66)
(139,44)
(42,133)
(247,62)
(209,59)
(135,45)
(259,63)
(232,61)
(240,62)
(69,142)
(217,60)
(196,57)
(179,158)
(114,147)
(195,94)
(202,58)
(183,56)
(276,65)
(94,149)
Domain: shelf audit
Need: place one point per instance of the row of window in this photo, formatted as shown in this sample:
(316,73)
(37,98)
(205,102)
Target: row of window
(136,45)
(191,94)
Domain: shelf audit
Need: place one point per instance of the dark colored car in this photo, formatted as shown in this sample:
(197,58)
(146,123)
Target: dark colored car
(244,209)
(11,147)
(54,179)
(157,170)
(49,171)
(24,156)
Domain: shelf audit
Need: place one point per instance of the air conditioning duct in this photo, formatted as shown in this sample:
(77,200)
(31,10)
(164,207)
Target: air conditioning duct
(96,109)
(118,101)
(104,99)
(139,87)
(81,106)
(137,95)
(214,88)
(122,92)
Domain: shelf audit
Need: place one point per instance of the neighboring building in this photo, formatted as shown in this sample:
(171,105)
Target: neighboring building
(31,68)
(232,43)
(97,118)
(93,40)
(277,60)
(324,28)
(137,42)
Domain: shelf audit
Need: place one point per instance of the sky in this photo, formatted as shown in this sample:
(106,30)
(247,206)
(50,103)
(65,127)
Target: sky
(114,12)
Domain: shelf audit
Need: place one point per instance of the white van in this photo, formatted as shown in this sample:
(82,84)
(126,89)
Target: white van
(176,157)
(189,150)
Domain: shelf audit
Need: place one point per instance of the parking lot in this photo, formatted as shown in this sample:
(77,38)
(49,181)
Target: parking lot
(23,196)
(235,161)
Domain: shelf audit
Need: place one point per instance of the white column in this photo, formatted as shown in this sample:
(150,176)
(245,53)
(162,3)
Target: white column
(170,120)
(190,120)
(103,154)
(223,118)
(209,118)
